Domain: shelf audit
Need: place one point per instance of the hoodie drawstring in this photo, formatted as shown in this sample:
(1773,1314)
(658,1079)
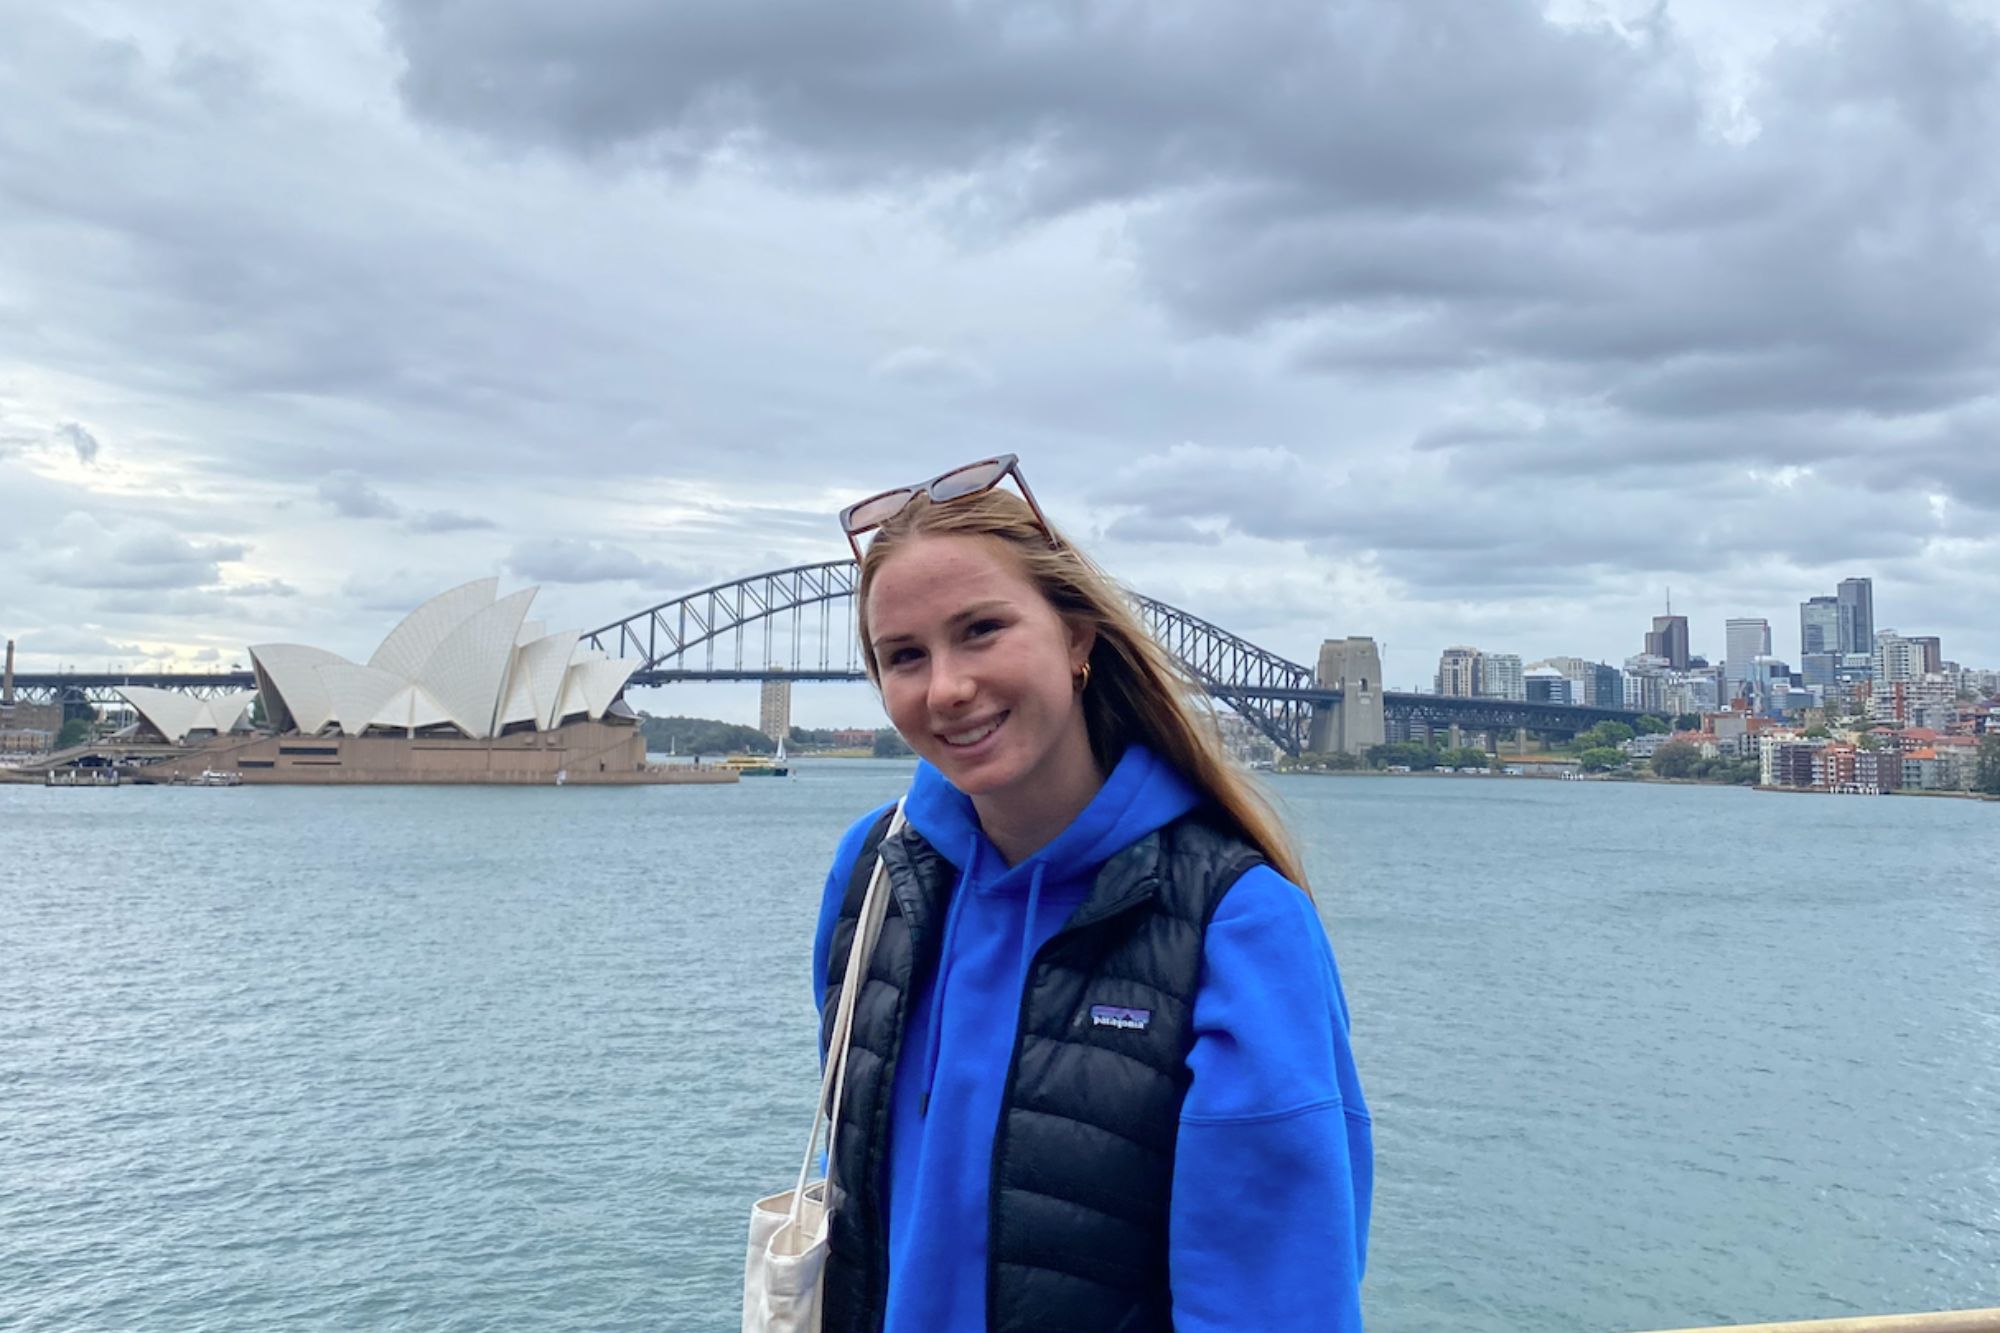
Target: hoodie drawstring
(959,893)
(1028,923)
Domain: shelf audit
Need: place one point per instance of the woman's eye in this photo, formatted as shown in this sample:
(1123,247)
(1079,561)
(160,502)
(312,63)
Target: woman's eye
(903,656)
(982,627)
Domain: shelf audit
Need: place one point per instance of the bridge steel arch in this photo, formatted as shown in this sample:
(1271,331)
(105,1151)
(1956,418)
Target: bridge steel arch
(679,640)
(1273,694)
(668,636)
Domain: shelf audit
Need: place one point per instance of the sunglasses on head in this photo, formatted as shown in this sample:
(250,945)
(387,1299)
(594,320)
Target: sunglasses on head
(971,479)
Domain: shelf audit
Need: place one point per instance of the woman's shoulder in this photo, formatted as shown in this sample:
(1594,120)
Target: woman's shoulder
(851,842)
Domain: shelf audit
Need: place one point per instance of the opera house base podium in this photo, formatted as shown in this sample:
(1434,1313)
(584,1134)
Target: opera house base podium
(577,754)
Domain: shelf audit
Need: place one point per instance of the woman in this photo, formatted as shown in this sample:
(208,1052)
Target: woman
(1100,1077)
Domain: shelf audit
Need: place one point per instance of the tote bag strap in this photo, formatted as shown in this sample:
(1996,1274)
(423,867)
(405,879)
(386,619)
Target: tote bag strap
(833,1079)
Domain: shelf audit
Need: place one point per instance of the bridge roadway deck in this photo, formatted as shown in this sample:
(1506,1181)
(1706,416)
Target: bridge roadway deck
(1432,709)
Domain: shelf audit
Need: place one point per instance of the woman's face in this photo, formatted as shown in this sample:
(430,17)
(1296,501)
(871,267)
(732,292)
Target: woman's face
(978,670)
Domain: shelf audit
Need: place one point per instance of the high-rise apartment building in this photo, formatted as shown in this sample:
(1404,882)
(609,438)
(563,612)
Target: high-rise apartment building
(1857,615)
(1669,640)
(1500,676)
(1745,639)
(1933,652)
(774,709)
(1819,626)
(1458,672)
(1898,660)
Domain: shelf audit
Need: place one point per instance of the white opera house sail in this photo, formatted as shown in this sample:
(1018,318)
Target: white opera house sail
(465,663)
(465,689)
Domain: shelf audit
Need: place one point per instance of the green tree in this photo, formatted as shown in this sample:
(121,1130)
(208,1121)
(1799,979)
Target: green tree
(1688,722)
(1817,733)
(702,735)
(1987,776)
(1600,758)
(74,732)
(1676,759)
(1409,754)
(1653,726)
(888,745)
(1605,735)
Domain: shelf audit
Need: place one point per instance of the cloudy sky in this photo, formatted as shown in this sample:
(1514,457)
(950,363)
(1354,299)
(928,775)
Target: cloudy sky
(1468,321)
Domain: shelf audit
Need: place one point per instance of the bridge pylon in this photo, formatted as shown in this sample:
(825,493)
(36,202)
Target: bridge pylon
(1352,666)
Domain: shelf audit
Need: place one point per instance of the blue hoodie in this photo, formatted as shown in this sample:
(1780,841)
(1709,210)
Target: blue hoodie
(1274,1165)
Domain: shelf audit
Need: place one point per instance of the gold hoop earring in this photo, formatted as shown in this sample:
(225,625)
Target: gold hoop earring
(1083,677)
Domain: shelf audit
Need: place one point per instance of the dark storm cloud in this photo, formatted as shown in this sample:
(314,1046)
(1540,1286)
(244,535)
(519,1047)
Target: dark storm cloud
(447,520)
(1443,534)
(1414,190)
(80,440)
(82,553)
(80,642)
(569,560)
(1372,102)
(351,496)
(1147,528)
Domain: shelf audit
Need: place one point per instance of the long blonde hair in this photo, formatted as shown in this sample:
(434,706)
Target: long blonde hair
(1136,691)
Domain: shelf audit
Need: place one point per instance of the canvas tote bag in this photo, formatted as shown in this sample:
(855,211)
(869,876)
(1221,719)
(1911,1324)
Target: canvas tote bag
(788,1231)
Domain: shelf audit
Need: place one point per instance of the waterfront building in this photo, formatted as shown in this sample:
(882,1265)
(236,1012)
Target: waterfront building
(1669,640)
(1745,639)
(1785,760)
(1458,672)
(466,689)
(1878,770)
(1501,677)
(1856,599)
(774,709)
(1819,626)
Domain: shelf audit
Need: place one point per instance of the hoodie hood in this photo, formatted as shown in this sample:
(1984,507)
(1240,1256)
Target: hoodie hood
(1141,794)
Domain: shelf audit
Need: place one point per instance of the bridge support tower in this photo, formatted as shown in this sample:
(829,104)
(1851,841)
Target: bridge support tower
(1354,667)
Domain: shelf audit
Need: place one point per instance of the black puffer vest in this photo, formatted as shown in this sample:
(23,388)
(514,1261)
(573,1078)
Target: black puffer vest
(1083,1153)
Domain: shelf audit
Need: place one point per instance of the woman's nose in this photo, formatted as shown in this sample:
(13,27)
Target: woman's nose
(951,685)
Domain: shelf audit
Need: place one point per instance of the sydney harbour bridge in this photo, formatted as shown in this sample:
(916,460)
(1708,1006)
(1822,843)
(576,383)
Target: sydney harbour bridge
(797,624)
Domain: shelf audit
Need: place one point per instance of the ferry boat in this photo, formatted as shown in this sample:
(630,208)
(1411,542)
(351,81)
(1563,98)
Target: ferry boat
(756,766)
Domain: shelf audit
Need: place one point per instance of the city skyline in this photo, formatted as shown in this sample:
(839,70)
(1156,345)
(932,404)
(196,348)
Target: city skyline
(308,322)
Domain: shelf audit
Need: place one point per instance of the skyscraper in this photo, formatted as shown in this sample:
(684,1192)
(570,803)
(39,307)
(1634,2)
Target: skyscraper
(1669,640)
(1745,640)
(1458,672)
(1819,626)
(1857,615)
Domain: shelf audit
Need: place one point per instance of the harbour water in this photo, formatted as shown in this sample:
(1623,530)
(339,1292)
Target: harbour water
(505,1058)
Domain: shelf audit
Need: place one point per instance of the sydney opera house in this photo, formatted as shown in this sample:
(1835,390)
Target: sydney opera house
(466,689)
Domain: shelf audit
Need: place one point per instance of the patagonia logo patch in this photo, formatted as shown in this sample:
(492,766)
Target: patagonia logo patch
(1118,1016)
